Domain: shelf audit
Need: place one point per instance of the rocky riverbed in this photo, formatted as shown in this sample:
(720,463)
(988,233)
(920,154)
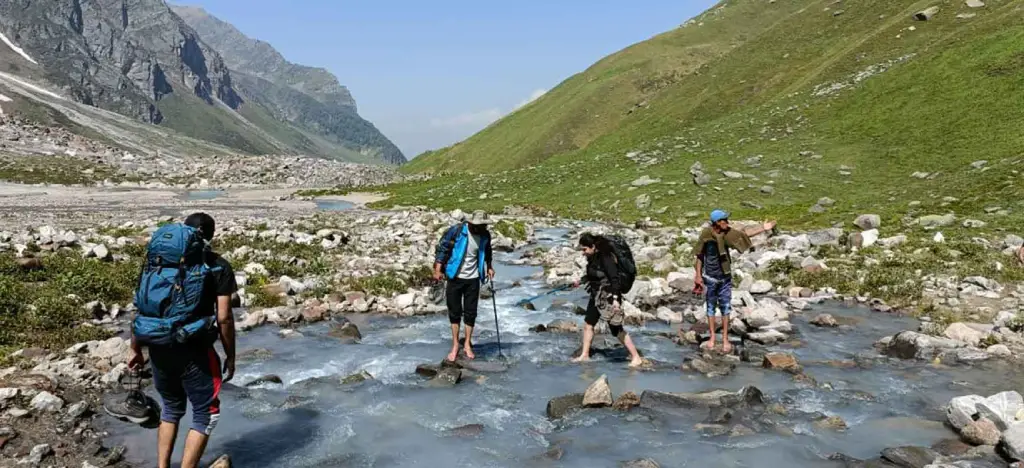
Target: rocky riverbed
(341,341)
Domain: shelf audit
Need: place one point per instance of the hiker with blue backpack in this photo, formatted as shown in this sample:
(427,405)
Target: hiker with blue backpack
(183,306)
(610,273)
(463,258)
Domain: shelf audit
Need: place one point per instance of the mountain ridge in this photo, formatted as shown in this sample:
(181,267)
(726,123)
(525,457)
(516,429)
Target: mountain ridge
(140,59)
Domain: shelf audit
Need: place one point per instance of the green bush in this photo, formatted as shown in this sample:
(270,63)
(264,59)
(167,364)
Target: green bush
(515,230)
(260,297)
(381,284)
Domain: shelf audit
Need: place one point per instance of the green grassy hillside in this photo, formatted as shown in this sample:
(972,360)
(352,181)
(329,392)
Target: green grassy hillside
(796,99)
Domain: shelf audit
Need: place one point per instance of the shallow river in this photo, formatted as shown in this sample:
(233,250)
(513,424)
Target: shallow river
(396,420)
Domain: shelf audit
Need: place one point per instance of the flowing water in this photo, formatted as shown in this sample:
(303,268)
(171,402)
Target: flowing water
(396,420)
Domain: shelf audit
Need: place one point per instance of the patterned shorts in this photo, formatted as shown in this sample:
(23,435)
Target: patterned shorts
(608,314)
(719,295)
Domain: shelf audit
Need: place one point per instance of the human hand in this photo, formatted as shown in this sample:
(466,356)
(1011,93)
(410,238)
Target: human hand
(135,360)
(437,275)
(229,369)
(490,273)
(769,225)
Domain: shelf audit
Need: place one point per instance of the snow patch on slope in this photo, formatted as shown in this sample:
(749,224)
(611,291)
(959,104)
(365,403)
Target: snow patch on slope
(17,49)
(12,78)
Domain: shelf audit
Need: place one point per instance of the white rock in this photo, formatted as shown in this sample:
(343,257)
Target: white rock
(963,333)
(999,350)
(115,374)
(1002,408)
(868,221)
(680,281)
(599,394)
(761,287)
(1013,442)
(46,402)
(939,237)
(870,237)
(7,394)
(961,410)
(668,316)
(405,300)
(115,349)
(36,456)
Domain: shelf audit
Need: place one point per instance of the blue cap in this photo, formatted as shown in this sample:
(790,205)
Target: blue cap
(718,215)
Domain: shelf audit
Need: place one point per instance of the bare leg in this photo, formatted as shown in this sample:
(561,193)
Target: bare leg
(726,346)
(710,344)
(468,348)
(454,354)
(635,360)
(165,443)
(588,337)
(195,445)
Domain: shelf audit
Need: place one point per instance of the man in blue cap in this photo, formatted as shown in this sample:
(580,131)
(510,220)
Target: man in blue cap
(713,273)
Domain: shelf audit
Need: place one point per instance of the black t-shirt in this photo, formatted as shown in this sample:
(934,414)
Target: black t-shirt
(221,282)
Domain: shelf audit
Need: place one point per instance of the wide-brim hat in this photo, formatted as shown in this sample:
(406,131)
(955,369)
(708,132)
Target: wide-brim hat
(479,217)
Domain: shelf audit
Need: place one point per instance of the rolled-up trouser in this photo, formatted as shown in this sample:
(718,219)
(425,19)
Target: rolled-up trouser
(185,375)
(719,295)
(462,296)
(600,308)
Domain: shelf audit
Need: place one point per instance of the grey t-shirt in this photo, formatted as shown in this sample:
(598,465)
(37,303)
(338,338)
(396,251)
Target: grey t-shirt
(471,262)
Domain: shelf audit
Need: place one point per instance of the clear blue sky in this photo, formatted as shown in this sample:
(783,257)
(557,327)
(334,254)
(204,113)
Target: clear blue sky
(430,73)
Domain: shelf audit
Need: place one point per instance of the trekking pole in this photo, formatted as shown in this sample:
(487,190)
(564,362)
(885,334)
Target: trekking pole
(497,329)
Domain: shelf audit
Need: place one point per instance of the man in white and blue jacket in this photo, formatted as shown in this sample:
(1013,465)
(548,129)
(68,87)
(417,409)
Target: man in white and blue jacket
(463,257)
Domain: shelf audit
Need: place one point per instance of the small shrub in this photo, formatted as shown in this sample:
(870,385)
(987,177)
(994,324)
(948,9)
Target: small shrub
(515,230)
(381,284)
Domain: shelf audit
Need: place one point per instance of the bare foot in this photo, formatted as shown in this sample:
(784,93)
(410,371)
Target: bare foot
(635,363)
(452,356)
(469,353)
(727,347)
(709,345)
(581,359)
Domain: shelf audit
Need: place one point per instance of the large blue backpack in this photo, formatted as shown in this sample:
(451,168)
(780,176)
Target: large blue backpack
(170,290)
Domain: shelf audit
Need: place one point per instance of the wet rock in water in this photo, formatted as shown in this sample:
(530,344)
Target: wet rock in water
(540,328)
(1002,409)
(781,361)
(347,332)
(469,430)
(553,454)
(598,394)
(834,423)
(910,457)
(269,378)
(961,410)
(1011,443)
(951,447)
(626,401)
(428,370)
(254,354)
(748,396)
(358,377)
(563,326)
(483,367)
(561,406)
(447,377)
(767,337)
(640,463)
(981,432)
(914,345)
(824,320)
(712,367)
(223,462)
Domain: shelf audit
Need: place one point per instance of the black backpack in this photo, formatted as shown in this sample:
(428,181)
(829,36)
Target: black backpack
(626,264)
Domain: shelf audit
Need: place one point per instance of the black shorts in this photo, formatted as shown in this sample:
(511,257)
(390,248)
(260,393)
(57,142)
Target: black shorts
(593,316)
(462,296)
